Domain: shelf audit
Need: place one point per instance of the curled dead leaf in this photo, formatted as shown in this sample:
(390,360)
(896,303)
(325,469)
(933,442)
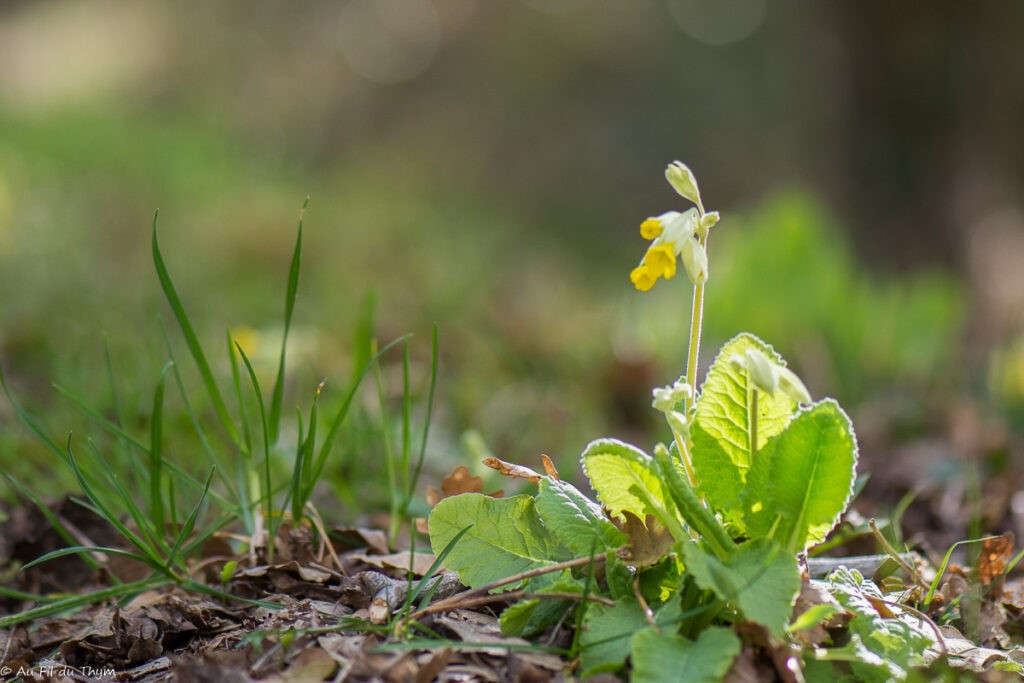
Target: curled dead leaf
(512,470)
(648,542)
(459,481)
(994,560)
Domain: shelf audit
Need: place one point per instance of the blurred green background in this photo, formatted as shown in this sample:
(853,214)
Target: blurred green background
(485,166)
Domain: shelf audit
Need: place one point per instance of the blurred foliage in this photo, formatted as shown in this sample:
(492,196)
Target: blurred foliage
(789,274)
(485,165)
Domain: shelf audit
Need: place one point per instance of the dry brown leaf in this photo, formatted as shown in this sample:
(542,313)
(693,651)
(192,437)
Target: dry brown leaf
(995,557)
(312,665)
(433,665)
(512,470)
(419,564)
(648,543)
(459,481)
(549,467)
(359,537)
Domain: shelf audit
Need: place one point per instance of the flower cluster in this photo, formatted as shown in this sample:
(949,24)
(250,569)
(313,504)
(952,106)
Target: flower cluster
(668,399)
(676,235)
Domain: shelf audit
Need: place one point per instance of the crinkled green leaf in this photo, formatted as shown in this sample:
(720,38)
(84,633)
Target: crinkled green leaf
(663,658)
(608,631)
(723,411)
(505,537)
(802,480)
(623,477)
(574,520)
(760,579)
(892,645)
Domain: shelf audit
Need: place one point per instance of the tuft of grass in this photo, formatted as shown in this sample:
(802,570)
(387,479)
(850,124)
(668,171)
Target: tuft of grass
(252,474)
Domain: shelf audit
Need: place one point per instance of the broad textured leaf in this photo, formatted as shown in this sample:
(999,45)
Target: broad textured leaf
(623,477)
(803,478)
(575,520)
(760,579)
(888,646)
(662,658)
(505,537)
(719,478)
(723,409)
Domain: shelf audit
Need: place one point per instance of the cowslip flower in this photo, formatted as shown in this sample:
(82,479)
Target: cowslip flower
(670,233)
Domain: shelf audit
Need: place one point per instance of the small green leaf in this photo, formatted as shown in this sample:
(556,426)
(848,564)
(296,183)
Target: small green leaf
(505,537)
(529,617)
(608,630)
(814,616)
(759,578)
(663,658)
(623,477)
(605,640)
(802,480)
(574,520)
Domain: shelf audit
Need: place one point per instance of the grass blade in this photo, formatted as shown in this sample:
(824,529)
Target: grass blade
(268,494)
(79,601)
(98,506)
(190,524)
(53,519)
(325,449)
(108,426)
(194,347)
(84,550)
(426,423)
(156,471)
(236,381)
(29,422)
(289,308)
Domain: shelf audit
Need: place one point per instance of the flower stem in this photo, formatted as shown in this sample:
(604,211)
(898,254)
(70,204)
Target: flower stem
(696,320)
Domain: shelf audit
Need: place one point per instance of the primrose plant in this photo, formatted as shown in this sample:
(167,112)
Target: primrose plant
(684,543)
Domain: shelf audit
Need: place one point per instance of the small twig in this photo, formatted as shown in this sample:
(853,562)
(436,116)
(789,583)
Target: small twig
(648,613)
(459,599)
(887,547)
(511,595)
(925,618)
(325,540)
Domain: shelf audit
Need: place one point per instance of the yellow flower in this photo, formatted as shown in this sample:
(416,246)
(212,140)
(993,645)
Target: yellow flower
(669,233)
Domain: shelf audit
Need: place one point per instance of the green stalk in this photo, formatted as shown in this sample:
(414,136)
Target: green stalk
(696,322)
(696,319)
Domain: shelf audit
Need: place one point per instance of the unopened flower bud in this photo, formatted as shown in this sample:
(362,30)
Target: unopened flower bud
(667,398)
(706,222)
(762,371)
(681,178)
(792,386)
(677,421)
(695,260)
